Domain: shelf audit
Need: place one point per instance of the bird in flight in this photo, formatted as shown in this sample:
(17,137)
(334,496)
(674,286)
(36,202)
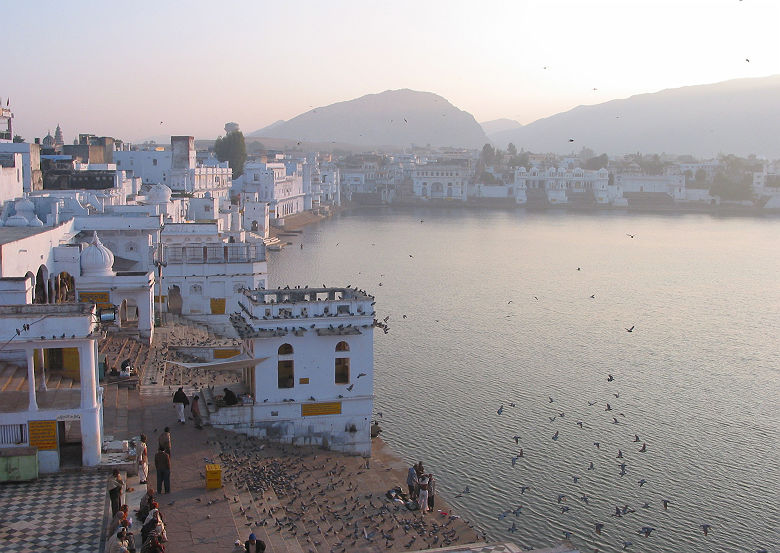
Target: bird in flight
(571,140)
(644,448)
(630,329)
(706,528)
(610,378)
(361,374)
(593,296)
(747,60)
(631,235)
(642,482)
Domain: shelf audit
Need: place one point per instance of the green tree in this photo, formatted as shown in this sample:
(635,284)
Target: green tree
(18,139)
(232,148)
(488,154)
(511,149)
(699,179)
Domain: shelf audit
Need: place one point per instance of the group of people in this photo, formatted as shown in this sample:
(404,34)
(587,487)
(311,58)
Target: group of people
(252,545)
(422,487)
(153,536)
(162,460)
(181,401)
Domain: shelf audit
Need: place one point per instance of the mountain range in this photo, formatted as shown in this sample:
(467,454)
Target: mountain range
(740,116)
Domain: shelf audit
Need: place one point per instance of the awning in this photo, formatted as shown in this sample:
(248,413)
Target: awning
(241,361)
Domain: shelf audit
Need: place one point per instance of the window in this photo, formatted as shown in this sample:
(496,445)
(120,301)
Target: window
(342,370)
(342,346)
(285,349)
(154,162)
(286,374)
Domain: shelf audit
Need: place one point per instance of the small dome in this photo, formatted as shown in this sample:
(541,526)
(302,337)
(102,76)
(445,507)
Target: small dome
(48,140)
(159,194)
(24,207)
(17,221)
(96,259)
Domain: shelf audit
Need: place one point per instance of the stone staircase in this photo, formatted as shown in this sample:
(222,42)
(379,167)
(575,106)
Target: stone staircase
(13,378)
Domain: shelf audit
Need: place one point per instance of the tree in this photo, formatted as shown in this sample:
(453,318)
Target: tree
(511,149)
(232,148)
(488,154)
(18,139)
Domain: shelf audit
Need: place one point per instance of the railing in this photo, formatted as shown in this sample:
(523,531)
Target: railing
(225,253)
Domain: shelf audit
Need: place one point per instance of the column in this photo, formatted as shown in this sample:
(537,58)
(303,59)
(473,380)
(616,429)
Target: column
(42,386)
(30,353)
(87,361)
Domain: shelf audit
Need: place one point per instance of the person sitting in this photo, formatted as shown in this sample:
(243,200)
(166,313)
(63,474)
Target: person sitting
(117,541)
(145,504)
(230,397)
(153,545)
(118,517)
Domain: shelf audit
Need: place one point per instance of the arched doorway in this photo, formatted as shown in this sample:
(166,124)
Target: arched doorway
(64,288)
(174,300)
(41,291)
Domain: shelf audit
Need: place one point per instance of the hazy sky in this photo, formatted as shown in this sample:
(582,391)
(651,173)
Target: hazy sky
(120,68)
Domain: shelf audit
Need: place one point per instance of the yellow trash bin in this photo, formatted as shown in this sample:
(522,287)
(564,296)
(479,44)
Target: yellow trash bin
(213,476)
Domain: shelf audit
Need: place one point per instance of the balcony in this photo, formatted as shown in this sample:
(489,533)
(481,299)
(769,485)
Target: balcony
(216,253)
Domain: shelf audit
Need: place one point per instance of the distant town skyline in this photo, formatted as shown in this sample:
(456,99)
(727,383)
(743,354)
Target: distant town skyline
(155,69)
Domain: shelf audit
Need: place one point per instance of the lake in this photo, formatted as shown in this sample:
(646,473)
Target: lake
(498,311)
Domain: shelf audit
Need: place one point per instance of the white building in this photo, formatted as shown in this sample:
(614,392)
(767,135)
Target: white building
(313,375)
(151,166)
(442,181)
(11,181)
(43,416)
(31,162)
(672,186)
(278,183)
(560,185)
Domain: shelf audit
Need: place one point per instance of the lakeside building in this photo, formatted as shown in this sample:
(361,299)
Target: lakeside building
(561,186)
(279,183)
(443,180)
(311,374)
(766,186)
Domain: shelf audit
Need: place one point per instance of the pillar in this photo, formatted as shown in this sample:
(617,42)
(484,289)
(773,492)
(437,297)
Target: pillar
(91,438)
(42,386)
(33,406)
(87,362)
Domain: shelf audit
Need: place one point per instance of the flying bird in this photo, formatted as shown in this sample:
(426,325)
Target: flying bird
(642,482)
(630,329)
(706,528)
(644,448)
(361,374)
(571,140)
(610,378)
(631,235)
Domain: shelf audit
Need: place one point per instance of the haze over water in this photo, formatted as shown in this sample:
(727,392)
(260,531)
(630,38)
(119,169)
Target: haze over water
(697,379)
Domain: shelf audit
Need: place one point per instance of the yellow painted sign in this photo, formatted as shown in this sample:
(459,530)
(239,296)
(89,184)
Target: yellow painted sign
(303,381)
(217,306)
(99,298)
(315,409)
(225,353)
(43,434)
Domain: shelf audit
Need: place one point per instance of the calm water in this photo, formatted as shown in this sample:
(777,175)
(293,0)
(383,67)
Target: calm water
(697,379)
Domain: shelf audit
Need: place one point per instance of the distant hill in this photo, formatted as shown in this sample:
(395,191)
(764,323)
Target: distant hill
(498,125)
(740,116)
(390,118)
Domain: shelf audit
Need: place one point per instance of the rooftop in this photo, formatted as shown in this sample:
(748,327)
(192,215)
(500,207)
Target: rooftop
(50,309)
(12,234)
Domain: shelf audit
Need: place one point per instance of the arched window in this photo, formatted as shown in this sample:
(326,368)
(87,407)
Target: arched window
(285,368)
(342,346)
(285,349)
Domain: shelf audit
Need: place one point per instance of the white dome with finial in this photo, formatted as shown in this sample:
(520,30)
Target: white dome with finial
(96,259)
(158,194)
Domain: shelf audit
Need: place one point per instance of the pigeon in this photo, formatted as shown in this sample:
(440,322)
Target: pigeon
(706,528)
(500,409)
(523,489)
(597,444)
(555,436)
(646,530)
(361,374)
(666,503)
(642,482)
(630,329)
(599,526)
(644,448)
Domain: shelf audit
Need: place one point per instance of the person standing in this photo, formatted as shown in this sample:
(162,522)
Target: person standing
(253,545)
(411,481)
(195,409)
(165,440)
(115,486)
(162,463)
(431,492)
(422,501)
(142,456)
(180,401)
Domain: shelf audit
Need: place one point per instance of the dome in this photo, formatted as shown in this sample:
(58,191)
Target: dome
(96,259)
(159,194)
(24,207)
(17,221)
(48,140)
